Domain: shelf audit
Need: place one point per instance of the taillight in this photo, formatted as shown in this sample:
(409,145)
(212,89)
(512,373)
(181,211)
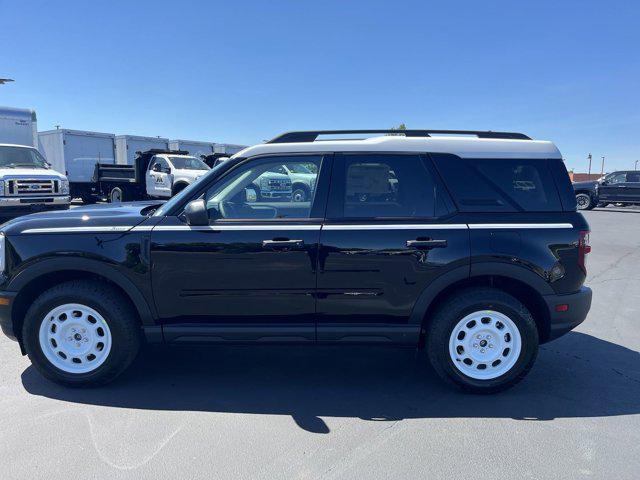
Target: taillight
(583,249)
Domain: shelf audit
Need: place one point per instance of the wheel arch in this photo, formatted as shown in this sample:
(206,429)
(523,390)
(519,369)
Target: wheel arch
(178,186)
(301,184)
(524,285)
(32,281)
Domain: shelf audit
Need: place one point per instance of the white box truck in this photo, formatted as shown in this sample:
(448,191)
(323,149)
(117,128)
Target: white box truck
(128,145)
(76,153)
(18,126)
(228,148)
(27,181)
(195,148)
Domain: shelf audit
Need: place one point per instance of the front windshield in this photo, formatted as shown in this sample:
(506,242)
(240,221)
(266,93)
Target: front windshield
(184,193)
(13,157)
(188,163)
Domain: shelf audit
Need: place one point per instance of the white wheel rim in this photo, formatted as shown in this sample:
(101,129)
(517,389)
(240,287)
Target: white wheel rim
(75,338)
(116,196)
(485,345)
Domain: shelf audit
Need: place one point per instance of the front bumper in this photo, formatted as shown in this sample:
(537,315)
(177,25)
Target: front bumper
(33,204)
(6,307)
(578,305)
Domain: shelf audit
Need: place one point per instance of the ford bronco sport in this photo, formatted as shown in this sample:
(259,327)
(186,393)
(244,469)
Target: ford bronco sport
(466,244)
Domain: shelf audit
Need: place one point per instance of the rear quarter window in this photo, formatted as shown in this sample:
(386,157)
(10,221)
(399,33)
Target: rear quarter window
(499,184)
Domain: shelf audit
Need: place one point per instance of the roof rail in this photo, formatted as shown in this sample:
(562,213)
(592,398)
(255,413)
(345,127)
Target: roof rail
(312,135)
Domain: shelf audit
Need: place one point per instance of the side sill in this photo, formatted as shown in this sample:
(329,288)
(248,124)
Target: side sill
(227,333)
(369,333)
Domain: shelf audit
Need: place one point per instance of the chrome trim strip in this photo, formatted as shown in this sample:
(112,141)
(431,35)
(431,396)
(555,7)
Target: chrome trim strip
(408,226)
(496,226)
(424,226)
(175,228)
(111,229)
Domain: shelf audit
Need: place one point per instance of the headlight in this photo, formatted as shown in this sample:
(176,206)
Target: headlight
(1,188)
(64,186)
(2,252)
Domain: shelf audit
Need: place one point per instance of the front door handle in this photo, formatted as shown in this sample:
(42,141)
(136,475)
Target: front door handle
(426,244)
(282,243)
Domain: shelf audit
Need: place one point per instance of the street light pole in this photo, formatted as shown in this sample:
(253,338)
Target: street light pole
(589,157)
(635,167)
(602,169)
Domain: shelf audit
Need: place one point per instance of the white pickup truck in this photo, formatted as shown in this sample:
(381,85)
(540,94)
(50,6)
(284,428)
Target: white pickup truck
(27,183)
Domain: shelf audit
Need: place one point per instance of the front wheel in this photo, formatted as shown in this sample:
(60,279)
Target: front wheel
(584,201)
(482,340)
(116,195)
(300,193)
(81,333)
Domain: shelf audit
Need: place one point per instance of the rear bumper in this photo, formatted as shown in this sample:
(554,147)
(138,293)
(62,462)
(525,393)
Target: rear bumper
(6,307)
(578,304)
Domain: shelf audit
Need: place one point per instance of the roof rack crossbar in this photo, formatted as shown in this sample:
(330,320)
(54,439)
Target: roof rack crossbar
(312,135)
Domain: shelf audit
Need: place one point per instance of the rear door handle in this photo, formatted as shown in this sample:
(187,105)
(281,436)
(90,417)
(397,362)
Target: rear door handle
(282,243)
(426,244)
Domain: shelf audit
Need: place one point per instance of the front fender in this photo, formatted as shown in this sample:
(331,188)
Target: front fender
(99,268)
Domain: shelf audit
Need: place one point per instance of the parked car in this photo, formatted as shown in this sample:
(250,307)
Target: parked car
(621,187)
(28,184)
(303,180)
(470,249)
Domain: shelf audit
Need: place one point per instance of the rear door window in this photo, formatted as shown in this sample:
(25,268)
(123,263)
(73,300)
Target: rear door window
(371,186)
(500,184)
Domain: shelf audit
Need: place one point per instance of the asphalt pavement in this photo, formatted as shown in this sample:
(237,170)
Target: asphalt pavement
(328,412)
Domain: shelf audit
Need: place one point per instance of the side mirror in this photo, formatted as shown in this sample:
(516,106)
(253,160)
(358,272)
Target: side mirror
(604,182)
(166,170)
(157,167)
(196,213)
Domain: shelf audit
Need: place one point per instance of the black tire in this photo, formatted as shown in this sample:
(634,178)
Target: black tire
(454,309)
(585,201)
(178,188)
(116,195)
(300,193)
(108,302)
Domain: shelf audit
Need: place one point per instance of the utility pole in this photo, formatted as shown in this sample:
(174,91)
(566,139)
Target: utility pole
(602,169)
(589,157)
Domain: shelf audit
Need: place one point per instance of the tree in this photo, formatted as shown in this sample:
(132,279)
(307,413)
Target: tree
(402,126)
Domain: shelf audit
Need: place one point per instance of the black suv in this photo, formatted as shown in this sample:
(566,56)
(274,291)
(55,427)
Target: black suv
(616,187)
(469,246)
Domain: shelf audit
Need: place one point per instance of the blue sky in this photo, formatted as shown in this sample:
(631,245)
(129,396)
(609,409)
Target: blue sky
(240,72)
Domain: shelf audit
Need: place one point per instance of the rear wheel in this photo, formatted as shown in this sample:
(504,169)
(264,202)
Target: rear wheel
(178,188)
(482,340)
(584,201)
(81,333)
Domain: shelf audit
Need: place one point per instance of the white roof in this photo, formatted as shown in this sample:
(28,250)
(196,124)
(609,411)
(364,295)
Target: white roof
(466,147)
